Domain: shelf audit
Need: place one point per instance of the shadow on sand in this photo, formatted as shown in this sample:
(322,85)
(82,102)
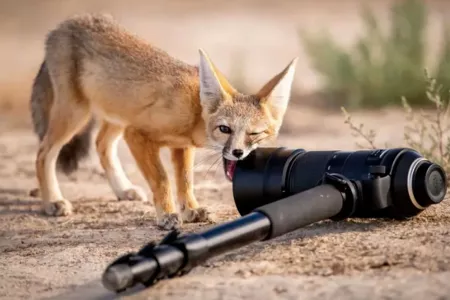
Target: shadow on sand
(95,290)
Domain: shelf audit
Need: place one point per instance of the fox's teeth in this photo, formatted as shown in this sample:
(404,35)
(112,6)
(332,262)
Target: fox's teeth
(229,175)
(230,169)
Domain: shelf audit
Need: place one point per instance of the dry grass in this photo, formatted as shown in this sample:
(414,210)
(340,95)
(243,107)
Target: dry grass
(425,131)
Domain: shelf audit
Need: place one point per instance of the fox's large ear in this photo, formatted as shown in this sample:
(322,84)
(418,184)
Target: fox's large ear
(214,87)
(276,93)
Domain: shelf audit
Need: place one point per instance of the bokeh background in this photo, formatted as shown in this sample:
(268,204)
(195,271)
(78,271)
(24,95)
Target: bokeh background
(363,55)
(250,40)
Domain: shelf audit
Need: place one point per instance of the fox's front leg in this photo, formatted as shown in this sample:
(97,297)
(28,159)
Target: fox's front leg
(183,162)
(146,154)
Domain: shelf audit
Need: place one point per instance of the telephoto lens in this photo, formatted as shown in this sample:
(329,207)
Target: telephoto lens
(394,183)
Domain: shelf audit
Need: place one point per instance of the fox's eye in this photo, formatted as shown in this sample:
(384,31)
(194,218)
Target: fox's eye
(225,129)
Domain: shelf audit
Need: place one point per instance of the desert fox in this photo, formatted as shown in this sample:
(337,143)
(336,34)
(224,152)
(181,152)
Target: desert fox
(94,69)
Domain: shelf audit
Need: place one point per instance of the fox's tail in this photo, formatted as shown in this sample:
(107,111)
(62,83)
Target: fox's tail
(41,102)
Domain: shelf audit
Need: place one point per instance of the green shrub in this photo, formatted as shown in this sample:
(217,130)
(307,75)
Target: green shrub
(380,67)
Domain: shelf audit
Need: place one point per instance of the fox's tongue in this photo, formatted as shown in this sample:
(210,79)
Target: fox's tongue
(230,165)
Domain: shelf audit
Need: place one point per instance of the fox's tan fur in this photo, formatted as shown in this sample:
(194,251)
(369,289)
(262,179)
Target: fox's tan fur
(94,68)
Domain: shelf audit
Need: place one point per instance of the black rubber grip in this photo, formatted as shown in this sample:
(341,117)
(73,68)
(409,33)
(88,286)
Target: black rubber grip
(298,210)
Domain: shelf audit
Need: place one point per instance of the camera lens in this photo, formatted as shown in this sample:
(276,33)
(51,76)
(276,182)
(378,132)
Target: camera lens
(261,178)
(429,184)
(398,182)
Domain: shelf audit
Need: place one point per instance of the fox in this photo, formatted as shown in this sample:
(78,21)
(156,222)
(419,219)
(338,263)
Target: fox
(97,74)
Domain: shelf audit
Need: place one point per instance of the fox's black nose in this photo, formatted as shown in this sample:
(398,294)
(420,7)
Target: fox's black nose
(238,153)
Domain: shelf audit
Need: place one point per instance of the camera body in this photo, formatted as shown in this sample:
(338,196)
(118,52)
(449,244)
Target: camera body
(392,183)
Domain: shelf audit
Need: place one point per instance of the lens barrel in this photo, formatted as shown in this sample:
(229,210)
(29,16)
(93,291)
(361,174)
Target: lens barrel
(396,182)
(261,178)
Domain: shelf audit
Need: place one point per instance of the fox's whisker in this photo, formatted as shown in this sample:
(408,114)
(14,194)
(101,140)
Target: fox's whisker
(262,139)
(214,163)
(217,167)
(213,147)
(206,159)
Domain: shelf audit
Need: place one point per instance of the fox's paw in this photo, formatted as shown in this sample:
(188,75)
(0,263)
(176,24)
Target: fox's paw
(58,208)
(170,221)
(197,215)
(135,193)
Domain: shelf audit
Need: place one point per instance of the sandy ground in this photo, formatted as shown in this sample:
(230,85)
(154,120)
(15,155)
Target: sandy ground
(63,258)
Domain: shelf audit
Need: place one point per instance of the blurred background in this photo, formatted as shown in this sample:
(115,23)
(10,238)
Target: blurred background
(361,54)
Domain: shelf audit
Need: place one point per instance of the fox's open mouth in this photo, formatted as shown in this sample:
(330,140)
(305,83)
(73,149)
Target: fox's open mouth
(229,166)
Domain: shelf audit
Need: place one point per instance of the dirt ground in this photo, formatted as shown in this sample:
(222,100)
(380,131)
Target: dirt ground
(63,258)
(352,259)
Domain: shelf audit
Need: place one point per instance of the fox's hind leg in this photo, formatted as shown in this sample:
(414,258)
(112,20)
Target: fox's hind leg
(68,116)
(183,162)
(107,145)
